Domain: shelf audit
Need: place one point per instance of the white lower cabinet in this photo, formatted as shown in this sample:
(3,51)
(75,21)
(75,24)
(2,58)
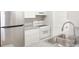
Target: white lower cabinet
(44,32)
(31,36)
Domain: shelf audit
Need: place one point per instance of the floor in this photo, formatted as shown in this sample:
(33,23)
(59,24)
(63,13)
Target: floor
(45,43)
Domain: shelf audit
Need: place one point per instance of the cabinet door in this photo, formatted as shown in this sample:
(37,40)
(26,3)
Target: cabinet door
(31,36)
(29,14)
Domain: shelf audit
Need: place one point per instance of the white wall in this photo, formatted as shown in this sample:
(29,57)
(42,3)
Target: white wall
(59,17)
(49,20)
(73,16)
(56,19)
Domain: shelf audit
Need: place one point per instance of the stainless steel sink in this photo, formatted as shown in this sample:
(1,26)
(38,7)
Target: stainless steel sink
(62,36)
(65,41)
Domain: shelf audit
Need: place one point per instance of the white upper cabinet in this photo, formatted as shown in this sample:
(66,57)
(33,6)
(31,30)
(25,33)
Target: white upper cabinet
(32,14)
(29,14)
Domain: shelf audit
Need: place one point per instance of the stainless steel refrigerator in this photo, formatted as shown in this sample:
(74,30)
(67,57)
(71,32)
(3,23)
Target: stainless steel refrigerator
(12,28)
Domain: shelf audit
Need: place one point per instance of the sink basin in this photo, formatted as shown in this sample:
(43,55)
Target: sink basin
(65,41)
(62,36)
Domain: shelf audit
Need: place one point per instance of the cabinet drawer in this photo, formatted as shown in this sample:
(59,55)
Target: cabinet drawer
(44,32)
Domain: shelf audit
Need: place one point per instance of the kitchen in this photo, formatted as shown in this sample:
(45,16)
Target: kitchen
(36,28)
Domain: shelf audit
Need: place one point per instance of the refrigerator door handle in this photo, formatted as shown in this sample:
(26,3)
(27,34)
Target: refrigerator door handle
(12,26)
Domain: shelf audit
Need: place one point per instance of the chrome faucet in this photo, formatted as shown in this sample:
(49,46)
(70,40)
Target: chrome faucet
(73,29)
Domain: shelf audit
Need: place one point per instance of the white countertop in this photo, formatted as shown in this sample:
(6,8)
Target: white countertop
(32,27)
(29,28)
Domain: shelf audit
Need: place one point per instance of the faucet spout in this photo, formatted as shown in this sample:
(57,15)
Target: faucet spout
(65,24)
(73,29)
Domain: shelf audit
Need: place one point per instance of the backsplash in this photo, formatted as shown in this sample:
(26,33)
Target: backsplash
(28,21)
(41,17)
